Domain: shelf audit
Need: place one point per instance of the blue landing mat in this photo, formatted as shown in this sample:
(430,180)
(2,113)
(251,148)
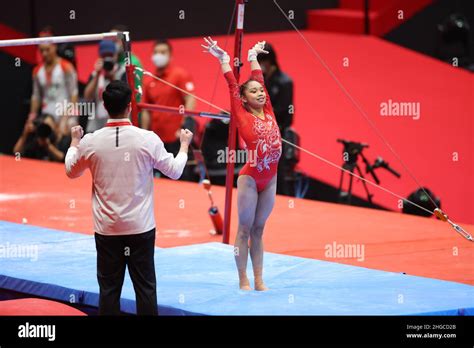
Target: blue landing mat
(201,280)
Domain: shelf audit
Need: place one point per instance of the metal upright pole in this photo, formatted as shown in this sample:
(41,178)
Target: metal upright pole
(366,17)
(130,71)
(229,182)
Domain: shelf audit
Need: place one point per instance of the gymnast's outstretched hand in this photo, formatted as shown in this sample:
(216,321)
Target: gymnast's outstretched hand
(256,50)
(215,50)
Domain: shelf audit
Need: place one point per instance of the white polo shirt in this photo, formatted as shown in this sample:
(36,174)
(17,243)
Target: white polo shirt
(121,158)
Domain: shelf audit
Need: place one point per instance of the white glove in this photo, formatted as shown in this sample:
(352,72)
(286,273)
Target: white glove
(256,50)
(215,50)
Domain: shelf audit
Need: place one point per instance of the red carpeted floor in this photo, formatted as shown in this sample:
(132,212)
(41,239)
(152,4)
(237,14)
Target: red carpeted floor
(437,148)
(39,193)
(36,306)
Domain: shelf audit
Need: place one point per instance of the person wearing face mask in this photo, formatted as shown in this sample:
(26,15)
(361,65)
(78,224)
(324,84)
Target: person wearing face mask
(106,70)
(167,125)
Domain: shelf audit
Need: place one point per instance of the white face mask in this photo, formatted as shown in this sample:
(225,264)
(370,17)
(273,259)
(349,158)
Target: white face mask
(160,60)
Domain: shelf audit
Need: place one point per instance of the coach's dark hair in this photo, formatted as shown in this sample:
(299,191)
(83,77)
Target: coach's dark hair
(117,96)
(163,42)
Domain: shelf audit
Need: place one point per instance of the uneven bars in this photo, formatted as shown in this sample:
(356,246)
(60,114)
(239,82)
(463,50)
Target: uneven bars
(156,107)
(229,182)
(61,39)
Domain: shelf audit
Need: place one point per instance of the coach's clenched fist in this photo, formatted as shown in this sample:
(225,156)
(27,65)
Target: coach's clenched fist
(76,134)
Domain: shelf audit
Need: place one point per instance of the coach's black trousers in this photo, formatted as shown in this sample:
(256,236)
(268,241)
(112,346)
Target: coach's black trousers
(114,253)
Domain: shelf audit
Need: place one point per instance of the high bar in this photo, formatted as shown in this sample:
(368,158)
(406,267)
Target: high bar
(156,107)
(61,39)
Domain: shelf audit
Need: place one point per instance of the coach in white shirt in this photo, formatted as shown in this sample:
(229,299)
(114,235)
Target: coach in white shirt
(121,158)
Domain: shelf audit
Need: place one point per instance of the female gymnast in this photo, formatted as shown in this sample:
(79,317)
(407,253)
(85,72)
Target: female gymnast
(256,184)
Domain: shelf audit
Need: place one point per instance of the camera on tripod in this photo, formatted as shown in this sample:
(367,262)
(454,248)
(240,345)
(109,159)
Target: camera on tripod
(351,152)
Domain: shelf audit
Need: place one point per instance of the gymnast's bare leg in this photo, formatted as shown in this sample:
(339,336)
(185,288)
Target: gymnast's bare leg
(247,199)
(266,201)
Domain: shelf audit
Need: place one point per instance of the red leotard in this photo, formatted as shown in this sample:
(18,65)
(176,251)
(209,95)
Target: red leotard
(262,137)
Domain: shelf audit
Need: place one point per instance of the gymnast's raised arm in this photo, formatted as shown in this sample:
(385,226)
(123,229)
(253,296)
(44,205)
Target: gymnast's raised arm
(224,59)
(217,52)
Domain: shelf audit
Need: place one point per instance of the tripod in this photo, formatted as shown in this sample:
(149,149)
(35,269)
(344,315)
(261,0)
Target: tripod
(346,197)
(352,151)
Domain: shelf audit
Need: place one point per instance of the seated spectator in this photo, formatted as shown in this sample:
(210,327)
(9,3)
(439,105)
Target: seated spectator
(106,70)
(54,83)
(42,140)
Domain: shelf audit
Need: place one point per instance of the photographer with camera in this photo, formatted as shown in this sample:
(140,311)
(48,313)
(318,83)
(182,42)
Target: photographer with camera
(41,139)
(105,71)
